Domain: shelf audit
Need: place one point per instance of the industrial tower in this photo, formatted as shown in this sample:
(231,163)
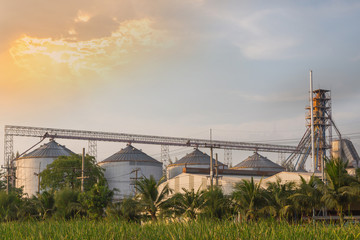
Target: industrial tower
(322,125)
(322,129)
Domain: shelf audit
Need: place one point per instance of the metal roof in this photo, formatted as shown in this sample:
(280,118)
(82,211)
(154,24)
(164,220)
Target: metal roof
(51,149)
(195,158)
(130,154)
(350,153)
(259,162)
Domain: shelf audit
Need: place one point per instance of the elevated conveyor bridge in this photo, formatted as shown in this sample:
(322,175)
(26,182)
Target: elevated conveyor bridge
(94,136)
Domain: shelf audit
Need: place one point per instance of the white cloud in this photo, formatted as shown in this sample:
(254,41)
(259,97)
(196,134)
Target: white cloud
(97,55)
(274,97)
(262,35)
(82,17)
(267,47)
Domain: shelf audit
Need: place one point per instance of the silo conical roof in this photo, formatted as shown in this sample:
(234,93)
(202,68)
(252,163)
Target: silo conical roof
(51,149)
(130,154)
(256,161)
(196,157)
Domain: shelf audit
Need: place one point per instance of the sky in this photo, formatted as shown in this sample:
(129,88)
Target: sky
(177,68)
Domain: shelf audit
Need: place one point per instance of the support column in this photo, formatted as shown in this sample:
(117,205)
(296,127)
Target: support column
(228,157)
(92,148)
(165,155)
(8,157)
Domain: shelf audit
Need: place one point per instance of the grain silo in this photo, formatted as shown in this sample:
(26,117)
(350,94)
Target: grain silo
(36,161)
(127,165)
(259,163)
(195,159)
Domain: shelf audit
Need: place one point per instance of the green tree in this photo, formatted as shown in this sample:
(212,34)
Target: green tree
(127,209)
(278,199)
(216,204)
(10,204)
(96,200)
(249,198)
(338,192)
(308,196)
(45,204)
(189,203)
(2,180)
(64,172)
(67,204)
(151,197)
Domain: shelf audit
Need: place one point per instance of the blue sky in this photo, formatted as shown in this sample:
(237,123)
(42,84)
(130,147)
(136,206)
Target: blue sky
(178,68)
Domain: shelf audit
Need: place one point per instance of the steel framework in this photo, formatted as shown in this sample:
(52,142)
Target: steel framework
(92,148)
(323,124)
(93,136)
(228,157)
(165,155)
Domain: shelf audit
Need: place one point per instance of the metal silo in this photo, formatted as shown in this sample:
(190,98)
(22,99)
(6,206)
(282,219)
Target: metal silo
(195,159)
(123,168)
(256,162)
(35,162)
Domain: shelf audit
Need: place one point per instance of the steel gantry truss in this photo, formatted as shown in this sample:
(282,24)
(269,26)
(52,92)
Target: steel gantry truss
(94,136)
(323,124)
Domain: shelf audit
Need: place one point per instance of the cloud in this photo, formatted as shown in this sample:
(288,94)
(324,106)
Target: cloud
(99,55)
(82,17)
(275,97)
(356,58)
(262,35)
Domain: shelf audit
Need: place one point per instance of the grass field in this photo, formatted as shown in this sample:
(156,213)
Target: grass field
(84,229)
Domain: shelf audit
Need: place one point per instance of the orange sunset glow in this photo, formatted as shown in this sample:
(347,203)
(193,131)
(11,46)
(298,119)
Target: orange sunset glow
(177,67)
(74,58)
(179,119)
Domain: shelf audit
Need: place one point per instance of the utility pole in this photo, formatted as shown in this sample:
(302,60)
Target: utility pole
(216,170)
(82,170)
(312,122)
(38,175)
(8,175)
(211,163)
(136,170)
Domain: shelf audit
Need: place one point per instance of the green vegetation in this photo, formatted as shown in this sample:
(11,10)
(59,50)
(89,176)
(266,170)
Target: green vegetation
(280,211)
(85,229)
(65,171)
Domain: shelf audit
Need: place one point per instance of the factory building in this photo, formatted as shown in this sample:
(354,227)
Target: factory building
(124,167)
(193,170)
(201,181)
(289,177)
(346,152)
(35,162)
(195,160)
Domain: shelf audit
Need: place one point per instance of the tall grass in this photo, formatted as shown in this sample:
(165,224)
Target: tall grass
(85,229)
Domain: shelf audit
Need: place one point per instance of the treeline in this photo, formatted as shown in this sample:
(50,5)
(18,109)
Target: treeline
(249,201)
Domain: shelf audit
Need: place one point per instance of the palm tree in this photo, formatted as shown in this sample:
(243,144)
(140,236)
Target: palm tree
(216,204)
(127,209)
(189,204)
(67,204)
(308,195)
(249,197)
(151,198)
(45,204)
(338,192)
(277,197)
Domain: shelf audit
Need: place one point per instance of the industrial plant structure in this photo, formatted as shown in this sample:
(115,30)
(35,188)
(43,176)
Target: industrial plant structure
(259,163)
(31,164)
(193,170)
(195,159)
(346,151)
(123,168)
(317,139)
